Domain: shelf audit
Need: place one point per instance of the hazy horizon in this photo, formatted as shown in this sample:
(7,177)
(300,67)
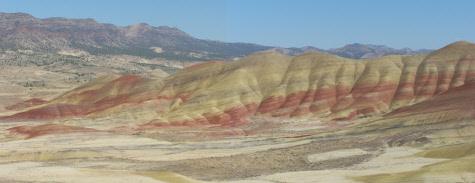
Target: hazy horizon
(396,24)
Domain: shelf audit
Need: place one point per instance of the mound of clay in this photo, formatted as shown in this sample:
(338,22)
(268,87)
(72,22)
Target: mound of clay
(274,85)
(26,104)
(48,129)
(50,112)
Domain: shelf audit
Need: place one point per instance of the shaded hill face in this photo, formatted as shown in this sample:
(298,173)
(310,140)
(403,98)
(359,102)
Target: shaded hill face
(269,84)
(25,32)
(448,117)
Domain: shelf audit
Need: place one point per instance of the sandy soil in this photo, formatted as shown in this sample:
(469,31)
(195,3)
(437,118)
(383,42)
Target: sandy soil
(108,157)
(270,153)
(391,161)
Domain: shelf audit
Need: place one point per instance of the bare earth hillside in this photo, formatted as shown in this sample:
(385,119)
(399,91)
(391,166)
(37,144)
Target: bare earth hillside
(267,117)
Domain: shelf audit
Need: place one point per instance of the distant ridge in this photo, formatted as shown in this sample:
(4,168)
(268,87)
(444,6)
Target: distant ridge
(355,51)
(23,31)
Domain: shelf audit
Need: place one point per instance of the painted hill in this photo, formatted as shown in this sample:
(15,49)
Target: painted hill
(268,84)
(443,121)
(448,117)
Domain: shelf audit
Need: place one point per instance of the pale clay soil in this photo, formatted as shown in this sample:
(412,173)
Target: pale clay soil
(266,156)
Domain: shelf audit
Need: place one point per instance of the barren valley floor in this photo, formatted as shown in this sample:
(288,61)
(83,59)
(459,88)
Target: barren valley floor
(273,154)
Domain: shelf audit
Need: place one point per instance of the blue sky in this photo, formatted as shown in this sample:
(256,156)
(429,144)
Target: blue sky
(324,24)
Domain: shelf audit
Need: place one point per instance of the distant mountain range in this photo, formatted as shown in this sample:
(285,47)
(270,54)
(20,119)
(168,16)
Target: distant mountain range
(355,51)
(20,31)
